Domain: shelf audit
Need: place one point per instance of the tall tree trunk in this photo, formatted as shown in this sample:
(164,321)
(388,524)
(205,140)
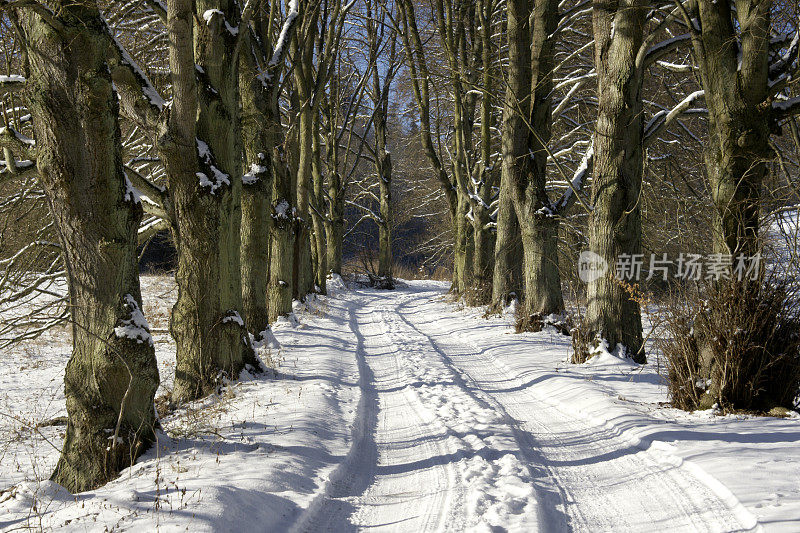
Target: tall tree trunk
(465,244)
(283,230)
(384,164)
(483,262)
(218,125)
(256,124)
(317,217)
(303,78)
(206,325)
(524,149)
(335,226)
(112,376)
(615,230)
(282,239)
(507,280)
(736,83)
(335,219)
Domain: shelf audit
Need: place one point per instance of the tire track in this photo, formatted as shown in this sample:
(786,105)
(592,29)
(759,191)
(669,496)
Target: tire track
(607,483)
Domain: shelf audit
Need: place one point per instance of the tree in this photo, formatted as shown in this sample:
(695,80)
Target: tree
(526,135)
(745,72)
(262,136)
(111,377)
(616,219)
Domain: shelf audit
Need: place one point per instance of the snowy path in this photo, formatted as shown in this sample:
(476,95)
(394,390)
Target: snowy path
(447,438)
(397,411)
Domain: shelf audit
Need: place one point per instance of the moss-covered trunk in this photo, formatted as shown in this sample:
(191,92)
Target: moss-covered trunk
(111,377)
(204,186)
(257,140)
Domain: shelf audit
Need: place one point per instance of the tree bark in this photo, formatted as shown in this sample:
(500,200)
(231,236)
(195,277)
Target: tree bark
(204,190)
(612,313)
(320,248)
(525,149)
(507,277)
(303,79)
(112,376)
(257,184)
(384,164)
(483,262)
(736,92)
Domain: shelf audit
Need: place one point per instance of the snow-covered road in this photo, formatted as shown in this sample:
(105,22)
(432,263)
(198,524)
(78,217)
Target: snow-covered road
(449,438)
(399,411)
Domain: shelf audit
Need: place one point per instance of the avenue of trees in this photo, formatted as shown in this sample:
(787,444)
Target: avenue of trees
(497,139)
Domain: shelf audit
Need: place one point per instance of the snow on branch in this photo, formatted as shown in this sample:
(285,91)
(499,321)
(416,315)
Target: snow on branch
(785,108)
(579,178)
(780,67)
(662,119)
(11,84)
(147,88)
(283,39)
(218,179)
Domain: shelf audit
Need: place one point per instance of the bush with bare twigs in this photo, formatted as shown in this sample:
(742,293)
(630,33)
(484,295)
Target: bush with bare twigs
(734,345)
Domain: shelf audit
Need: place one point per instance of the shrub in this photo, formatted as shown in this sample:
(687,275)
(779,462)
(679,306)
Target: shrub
(734,344)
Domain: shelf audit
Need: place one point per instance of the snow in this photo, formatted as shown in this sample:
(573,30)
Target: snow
(12,78)
(282,209)
(135,327)
(148,90)
(132,194)
(220,178)
(251,178)
(24,139)
(785,105)
(233,317)
(283,38)
(398,410)
(208,15)
(578,180)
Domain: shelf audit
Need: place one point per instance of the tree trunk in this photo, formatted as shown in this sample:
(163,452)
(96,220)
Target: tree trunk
(256,193)
(464,246)
(525,153)
(282,237)
(615,230)
(507,281)
(320,249)
(112,376)
(736,91)
(383,166)
(385,259)
(335,226)
(303,78)
(483,262)
(204,190)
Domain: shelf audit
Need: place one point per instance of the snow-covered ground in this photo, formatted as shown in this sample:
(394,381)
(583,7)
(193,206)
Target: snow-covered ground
(400,411)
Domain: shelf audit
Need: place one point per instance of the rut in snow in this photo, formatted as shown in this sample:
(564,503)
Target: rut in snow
(446,438)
